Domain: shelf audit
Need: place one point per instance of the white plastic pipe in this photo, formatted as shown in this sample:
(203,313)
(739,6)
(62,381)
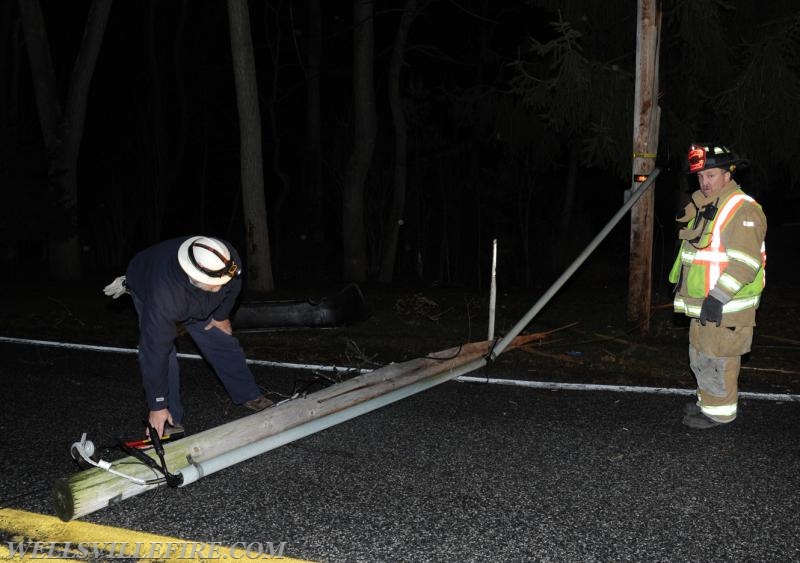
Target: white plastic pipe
(493,292)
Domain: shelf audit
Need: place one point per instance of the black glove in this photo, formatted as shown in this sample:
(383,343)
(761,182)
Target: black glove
(711,311)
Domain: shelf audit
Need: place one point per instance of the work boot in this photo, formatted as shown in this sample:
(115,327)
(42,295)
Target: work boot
(692,408)
(699,421)
(258,404)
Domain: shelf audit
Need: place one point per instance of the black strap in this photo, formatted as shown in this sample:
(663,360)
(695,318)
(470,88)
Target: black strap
(230,268)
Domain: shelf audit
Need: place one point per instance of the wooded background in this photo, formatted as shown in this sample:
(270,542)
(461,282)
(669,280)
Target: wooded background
(388,140)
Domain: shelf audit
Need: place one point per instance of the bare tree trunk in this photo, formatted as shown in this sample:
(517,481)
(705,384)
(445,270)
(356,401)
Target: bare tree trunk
(560,251)
(278,201)
(313,168)
(9,67)
(259,268)
(527,187)
(353,232)
(44,77)
(10,55)
(165,136)
(179,150)
(569,190)
(444,243)
(392,232)
(63,132)
(155,139)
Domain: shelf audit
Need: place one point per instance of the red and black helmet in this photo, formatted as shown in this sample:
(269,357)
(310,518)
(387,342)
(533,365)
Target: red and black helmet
(703,156)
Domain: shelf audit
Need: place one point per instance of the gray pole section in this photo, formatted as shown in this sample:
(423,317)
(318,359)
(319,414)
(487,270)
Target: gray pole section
(198,470)
(523,322)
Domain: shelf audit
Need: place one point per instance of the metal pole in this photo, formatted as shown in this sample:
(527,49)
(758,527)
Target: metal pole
(523,322)
(493,291)
(198,470)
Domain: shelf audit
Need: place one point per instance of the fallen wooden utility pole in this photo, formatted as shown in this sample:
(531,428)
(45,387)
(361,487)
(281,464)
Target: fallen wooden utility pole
(196,456)
(204,453)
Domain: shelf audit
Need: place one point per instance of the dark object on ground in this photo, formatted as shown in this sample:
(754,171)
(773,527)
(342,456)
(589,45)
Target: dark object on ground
(699,421)
(258,404)
(344,308)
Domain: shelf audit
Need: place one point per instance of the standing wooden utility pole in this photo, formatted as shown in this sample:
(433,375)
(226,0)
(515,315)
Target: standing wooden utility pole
(645,146)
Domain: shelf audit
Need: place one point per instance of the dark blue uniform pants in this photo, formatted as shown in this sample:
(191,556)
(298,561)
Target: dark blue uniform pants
(226,357)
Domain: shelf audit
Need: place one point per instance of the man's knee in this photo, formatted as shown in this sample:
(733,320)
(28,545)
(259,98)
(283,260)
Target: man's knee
(709,371)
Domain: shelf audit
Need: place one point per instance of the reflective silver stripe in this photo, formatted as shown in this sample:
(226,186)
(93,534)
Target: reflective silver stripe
(733,306)
(746,259)
(741,304)
(681,306)
(711,256)
(730,283)
(719,410)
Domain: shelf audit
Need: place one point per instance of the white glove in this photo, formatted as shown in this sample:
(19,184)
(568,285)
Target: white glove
(116,288)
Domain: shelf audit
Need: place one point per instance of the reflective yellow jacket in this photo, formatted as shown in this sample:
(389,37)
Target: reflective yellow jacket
(726,260)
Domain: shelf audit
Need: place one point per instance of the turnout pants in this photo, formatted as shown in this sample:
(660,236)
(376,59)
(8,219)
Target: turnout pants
(715,356)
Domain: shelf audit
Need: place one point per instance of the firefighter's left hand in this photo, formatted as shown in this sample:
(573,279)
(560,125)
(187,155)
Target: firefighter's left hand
(224,326)
(711,311)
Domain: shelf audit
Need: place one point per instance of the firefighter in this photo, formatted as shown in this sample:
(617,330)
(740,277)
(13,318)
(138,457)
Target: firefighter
(194,281)
(719,277)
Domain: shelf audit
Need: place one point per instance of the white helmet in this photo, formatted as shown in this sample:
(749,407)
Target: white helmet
(207,260)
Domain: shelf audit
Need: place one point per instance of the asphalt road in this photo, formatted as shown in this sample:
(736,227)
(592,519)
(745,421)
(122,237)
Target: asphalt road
(462,472)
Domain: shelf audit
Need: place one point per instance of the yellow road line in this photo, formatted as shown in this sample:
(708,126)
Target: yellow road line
(84,537)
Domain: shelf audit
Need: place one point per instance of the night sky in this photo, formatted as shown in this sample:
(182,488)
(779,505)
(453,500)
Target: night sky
(160,151)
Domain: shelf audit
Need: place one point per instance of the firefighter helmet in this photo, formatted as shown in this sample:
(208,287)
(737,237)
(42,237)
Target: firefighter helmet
(207,260)
(703,156)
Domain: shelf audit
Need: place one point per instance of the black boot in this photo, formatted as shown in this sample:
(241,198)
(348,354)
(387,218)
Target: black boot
(699,421)
(692,408)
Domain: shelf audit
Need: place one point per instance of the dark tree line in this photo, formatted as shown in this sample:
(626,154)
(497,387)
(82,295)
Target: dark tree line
(397,138)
